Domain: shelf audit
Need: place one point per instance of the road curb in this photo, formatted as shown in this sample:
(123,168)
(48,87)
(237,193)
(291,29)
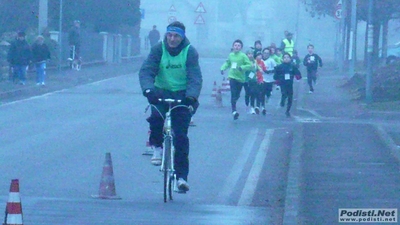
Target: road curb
(389,142)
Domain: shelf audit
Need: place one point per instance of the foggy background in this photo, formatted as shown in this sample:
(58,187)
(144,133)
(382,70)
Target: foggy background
(265,20)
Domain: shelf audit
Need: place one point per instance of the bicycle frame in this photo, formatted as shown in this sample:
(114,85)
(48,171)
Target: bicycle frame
(75,63)
(168,156)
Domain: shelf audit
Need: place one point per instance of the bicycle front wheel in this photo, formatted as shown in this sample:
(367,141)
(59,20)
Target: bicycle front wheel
(167,168)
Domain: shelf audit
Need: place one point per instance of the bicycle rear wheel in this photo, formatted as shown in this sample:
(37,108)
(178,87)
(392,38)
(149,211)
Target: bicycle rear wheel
(167,168)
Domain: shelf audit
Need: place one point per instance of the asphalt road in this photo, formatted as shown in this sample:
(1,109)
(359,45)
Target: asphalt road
(256,170)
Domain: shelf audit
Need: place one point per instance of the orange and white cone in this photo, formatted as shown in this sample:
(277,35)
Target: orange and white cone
(107,184)
(218,98)
(149,149)
(225,85)
(214,90)
(14,207)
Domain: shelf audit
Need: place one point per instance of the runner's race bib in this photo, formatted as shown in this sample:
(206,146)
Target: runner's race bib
(251,75)
(287,76)
(234,65)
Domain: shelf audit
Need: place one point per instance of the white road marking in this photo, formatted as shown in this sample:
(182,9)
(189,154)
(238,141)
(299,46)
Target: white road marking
(59,91)
(237,168)
(251,183)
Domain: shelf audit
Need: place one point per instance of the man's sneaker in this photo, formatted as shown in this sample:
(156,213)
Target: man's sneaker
(264,111)
(252,111)
(183,186)
(287,114)
(310,92)
(257,110)
(235,115)
(157,157)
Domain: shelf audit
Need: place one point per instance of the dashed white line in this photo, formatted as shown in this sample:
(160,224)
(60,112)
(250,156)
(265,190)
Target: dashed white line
(254,175)
(237,168)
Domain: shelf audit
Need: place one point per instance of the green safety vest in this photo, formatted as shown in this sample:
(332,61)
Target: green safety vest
(172,74)
(289,47)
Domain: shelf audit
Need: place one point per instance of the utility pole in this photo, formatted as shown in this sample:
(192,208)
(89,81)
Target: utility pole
(368,83)
(43,14)
(353,45)
(60,36)
(342,42)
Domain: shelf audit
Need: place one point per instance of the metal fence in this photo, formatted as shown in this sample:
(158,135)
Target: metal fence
(95,47)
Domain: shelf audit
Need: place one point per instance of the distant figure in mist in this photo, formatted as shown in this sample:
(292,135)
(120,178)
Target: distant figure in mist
(154,36)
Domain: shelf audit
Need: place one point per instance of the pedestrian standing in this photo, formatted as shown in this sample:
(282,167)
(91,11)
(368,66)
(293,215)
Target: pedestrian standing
(285,74)
(287,44)
(154,36)
(238,63)
(40,54)
(19,57)
(312,61)
(74,40)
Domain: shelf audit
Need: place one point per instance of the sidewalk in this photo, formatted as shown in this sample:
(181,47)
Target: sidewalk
(330,100)
(345,165)
(66,78)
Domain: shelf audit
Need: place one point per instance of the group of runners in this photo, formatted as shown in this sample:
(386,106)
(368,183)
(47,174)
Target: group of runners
(259,69)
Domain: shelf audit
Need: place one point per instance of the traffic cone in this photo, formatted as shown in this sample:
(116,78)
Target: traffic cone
(149,149)
(214,90)
(107,185)
(218,98)
(14,208)
(225,85)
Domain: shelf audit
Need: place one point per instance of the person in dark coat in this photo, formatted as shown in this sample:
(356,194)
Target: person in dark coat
(312,61)
(172,70)
(19,57)
(154,36)
(74,40)
(40,54)
(285,73)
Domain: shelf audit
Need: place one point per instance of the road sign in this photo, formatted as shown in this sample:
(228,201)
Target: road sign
(338,13)
(171,19)
(199,20)
(172,8)
(200,8)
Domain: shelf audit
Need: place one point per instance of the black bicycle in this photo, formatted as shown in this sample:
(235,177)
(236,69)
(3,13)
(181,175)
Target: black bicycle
(75,60)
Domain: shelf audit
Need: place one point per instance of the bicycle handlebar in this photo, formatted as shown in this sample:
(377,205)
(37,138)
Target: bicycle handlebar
(169,100)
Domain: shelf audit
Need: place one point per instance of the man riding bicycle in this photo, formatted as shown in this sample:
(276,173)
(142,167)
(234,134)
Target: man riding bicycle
(172,70)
